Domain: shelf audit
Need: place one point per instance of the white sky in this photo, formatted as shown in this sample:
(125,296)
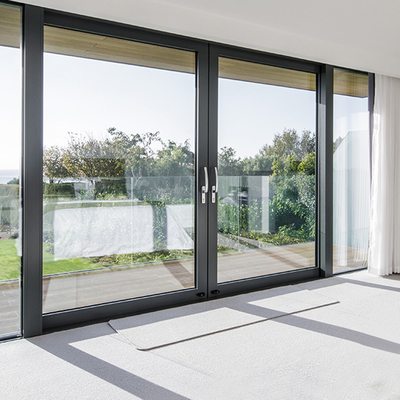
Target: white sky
(89,96)
(351,114)
(250,114)
(10,108)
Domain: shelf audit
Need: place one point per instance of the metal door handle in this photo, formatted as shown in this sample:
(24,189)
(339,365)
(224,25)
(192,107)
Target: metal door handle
(204,189)
(214,189)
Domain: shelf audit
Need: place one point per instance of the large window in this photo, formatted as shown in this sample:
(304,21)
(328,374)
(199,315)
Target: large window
(351,170)
(172,170)
(266,166)
(10,161)
(119,146)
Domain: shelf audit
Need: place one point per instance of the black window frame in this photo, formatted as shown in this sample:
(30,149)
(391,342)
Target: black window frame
(34,18)
(253,283)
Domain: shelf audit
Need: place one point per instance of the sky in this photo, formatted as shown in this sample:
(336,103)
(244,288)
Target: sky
(351,114)
(250,114)
(10,108)
(88,96)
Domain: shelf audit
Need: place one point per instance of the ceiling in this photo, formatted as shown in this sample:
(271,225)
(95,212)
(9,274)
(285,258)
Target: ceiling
(359,34)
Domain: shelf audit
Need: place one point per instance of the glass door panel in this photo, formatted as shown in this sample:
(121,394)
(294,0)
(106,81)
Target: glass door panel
(10,161)
(119,169)
(266,166)
(351,171)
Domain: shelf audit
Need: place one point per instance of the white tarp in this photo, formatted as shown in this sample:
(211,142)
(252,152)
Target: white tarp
(98,231)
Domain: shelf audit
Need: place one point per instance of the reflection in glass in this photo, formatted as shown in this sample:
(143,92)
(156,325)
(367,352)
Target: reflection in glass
(266,164)
(10,137)
(118,169)
(351,170)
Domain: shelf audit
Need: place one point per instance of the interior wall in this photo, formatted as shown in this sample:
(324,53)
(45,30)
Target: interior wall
(346,33)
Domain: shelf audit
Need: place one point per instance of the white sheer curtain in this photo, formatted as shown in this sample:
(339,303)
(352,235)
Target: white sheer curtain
(384,252)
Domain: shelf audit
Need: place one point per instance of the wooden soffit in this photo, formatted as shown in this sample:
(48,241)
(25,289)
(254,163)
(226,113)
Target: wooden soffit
(350,83)
(10,26)
(266,74)
(97,47)
(87,45)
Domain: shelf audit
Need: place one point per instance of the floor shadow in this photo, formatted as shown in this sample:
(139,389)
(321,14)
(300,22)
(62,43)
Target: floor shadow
(326,329)
(61,347)
(339,280)
(200,307)
(177,312)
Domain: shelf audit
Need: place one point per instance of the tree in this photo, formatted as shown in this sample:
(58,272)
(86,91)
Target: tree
(136,150)
(88,157)
(53,164)
(307,143)
(13,181)
(260,164)
(175,160)
(293,183)
(307,165)
(288,150)
(228,164)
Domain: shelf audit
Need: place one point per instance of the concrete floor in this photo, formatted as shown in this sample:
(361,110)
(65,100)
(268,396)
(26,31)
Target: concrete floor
(348,350)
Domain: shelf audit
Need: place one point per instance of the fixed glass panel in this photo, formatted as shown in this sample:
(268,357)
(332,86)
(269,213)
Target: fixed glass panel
(10,161)
(266,166)
(118,178)
(351,171)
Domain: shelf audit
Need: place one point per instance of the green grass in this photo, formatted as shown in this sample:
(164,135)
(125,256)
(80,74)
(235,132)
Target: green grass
(272,238)
(9,262)
(140,258)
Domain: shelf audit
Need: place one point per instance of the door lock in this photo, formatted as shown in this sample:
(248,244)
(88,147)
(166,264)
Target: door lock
(214,189)
(204,189)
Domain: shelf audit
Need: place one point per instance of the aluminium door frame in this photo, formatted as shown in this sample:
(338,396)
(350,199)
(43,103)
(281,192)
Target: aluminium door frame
(264,281)
(34,19)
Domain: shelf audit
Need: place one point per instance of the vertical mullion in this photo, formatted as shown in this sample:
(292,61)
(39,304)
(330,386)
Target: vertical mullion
(202,149)
(32,183)
(213,162)
(325,172)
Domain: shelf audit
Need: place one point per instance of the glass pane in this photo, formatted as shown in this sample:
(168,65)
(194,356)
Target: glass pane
(10,159)
(351,171)
(118,169)
(266,163)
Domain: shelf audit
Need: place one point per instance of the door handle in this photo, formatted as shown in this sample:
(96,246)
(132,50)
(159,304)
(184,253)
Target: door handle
(204,189)
(214,189)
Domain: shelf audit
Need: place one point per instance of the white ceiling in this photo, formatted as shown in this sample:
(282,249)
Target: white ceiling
(359,34)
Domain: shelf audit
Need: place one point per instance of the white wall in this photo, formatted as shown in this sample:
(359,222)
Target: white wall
(350,33)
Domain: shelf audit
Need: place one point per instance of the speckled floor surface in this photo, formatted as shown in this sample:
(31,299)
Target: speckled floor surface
(349,350)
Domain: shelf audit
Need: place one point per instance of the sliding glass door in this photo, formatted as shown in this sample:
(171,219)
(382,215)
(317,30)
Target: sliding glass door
(263,183)
(172,170)
(126,182)
(119,166)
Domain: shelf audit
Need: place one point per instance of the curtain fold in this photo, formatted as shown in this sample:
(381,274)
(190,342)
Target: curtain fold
(384,251)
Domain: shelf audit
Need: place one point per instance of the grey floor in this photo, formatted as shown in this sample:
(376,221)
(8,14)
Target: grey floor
(349,350)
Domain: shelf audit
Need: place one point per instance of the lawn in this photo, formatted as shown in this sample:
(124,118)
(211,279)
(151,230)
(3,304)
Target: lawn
(9,262)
